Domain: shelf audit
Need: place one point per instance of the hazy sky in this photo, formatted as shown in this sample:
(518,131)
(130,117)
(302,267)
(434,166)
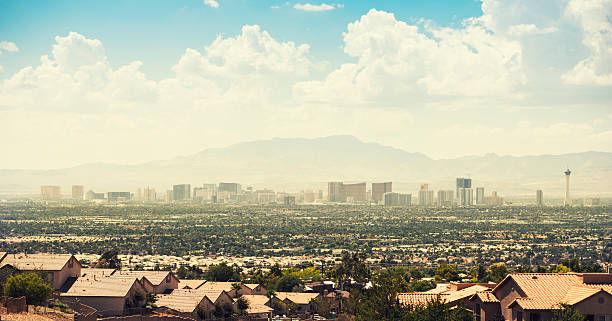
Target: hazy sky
(110,81)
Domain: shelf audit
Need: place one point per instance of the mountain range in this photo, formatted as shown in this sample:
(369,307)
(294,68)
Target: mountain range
(294,164)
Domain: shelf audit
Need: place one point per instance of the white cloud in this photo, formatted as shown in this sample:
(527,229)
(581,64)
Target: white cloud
(526,29)
(211,3)
(594,18)
(8,46)
(314,7)
(396,60)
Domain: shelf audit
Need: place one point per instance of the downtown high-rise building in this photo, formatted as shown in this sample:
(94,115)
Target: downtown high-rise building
(49,192)
(355,192)
(379,189)
(465,197)
(446,198)
(539,198)
(426,197)
(230,188)
(335,192)
(78,192)
(118,196)
(480,195)
(397,199)
(181,192)
(463,183)
(149,194)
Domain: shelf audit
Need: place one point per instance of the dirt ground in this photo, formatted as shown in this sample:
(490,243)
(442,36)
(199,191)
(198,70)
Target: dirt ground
(34,317)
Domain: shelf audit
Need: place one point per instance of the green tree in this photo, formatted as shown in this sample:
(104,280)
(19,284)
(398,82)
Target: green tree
(567,313)
(222,273)
(497,272)
(30,285)
(109,260)
(243,305)
(447,272)
(289,283)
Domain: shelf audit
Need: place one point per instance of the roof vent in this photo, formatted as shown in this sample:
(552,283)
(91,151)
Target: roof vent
(535,277)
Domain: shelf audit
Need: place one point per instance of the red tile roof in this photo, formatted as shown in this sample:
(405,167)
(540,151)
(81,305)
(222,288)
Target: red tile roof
(418,298)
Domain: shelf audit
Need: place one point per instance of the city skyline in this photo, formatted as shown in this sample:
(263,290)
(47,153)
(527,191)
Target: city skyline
(505,77)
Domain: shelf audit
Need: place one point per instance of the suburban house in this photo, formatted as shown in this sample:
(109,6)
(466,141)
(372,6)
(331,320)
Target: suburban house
(191,284)
(258,307)
(60,269)
(157,282)
(453,294)
(97,272)
(216,296)
(187,303)
(302,301)
(534,297)
(253,289)
(111,296)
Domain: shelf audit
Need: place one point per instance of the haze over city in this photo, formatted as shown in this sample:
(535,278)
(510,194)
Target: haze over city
(290,160)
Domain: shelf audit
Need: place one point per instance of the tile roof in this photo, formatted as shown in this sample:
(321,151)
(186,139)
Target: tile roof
(418,298)
(97,272)
(486,297)
(297,298)
(543,291)
(100,286)
(256,299)
(220,286)
(29,262)
(155,277)
(455,296)
(251,286)
(192,284)
(182,300)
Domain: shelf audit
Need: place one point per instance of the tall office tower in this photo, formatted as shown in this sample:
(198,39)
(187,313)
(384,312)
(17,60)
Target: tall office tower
(480,195)
(379,189)
(397,199)
(231,188)
(355,192)
(463,183)
(446,198)
(169,195)
(335,192)
(212,187)
(149,194)
(567,201)
(494,199)
(50,192)
(539,198)
(181,192)
(426,197)
(78,192)
(465,197)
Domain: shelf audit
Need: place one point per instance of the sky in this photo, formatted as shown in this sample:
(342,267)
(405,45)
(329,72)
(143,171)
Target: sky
(133,81)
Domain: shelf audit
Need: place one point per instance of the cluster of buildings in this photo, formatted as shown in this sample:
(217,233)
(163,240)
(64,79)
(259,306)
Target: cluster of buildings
(337,192)
(526,296)
(113,292)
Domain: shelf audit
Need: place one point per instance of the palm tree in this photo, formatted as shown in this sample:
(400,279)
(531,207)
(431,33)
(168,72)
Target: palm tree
(339,298)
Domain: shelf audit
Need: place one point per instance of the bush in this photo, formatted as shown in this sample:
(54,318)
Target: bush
(30,285)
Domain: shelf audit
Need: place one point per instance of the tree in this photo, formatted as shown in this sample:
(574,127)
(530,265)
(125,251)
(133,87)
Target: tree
(109,260)
(447,272)
(289,283)
(222,273)
(30,285)
(243,305)
(567,313)
(559,268)
(497,272)
(353,266)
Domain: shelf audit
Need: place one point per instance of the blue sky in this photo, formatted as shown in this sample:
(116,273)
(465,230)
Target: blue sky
(133,81)
(157,32)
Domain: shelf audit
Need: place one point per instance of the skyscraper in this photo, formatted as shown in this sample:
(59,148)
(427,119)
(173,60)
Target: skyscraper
(335,192)
(539,198)
(181,192)
(77,192)
(567,201)
(379,189)
(355,192)
(119,196)
(446,198)
(231,188)
(463,183)
(50,192)
(397,199)
(480,194)
(149,194)
(426,197)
